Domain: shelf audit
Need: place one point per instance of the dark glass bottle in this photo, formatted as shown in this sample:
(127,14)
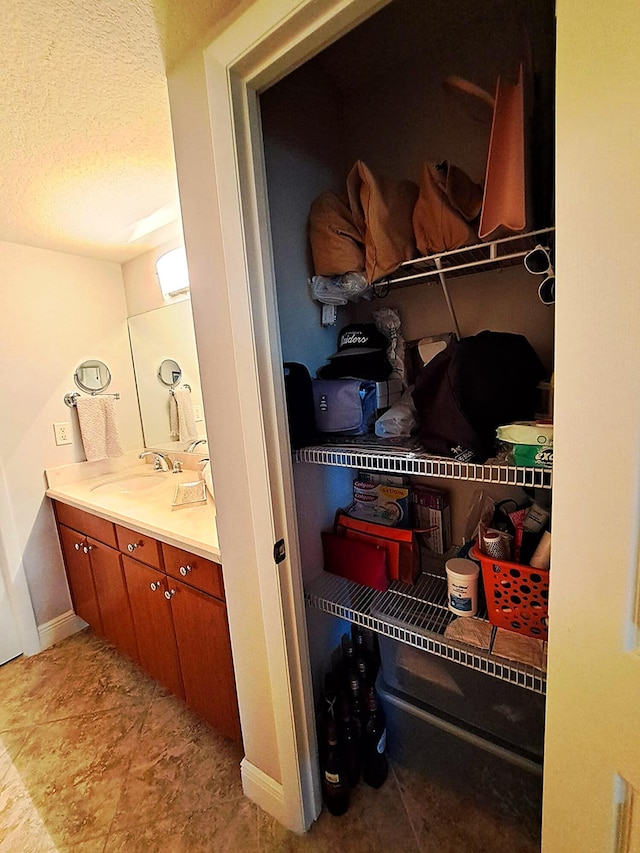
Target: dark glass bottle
(356,705)
(375,766)
(328,713)
(350,741)
(330,697)
(364,661)
(335,784)
(348,661)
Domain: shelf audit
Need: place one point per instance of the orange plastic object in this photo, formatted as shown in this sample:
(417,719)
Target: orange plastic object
(517,595)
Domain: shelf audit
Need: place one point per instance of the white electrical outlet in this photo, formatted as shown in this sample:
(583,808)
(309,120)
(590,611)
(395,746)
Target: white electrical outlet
(63,433)
(197,412)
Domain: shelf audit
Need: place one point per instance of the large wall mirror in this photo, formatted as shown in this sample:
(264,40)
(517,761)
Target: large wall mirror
(164,358)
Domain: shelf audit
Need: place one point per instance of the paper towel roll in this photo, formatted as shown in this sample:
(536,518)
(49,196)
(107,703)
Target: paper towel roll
(541,558)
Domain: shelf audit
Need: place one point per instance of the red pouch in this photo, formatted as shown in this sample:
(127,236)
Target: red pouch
(403,553)
(357,561)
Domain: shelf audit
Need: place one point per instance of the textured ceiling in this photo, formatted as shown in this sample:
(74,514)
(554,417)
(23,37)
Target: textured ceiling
(85,136)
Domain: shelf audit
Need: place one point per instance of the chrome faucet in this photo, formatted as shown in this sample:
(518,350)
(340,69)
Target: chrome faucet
(191,448)
(161,461)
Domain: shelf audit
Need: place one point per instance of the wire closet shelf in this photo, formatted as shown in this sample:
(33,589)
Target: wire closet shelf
(418,616)
(398,461)
(482,257)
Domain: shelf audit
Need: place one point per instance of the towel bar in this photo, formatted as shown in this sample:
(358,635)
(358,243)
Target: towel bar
(72,397)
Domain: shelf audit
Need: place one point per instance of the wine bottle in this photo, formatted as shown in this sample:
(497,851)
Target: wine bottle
(375,766)
(335,785)
(328,713)
(330,697)
(348,662)
(357,708)
(350,741)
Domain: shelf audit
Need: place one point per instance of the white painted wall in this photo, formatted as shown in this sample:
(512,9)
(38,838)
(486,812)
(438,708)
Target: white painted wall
(56,310)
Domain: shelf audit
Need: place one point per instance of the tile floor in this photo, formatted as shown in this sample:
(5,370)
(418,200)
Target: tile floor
(94,757)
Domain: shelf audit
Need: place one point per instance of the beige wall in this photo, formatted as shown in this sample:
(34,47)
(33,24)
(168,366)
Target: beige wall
(57,310)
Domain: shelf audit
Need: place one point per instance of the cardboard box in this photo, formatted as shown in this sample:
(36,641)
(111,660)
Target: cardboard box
(430,508)
(381,499)
(388,393)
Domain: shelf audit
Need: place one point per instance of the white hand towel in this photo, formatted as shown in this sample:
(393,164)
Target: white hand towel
(208,479)
(174,426)
(98,427)
(187,430)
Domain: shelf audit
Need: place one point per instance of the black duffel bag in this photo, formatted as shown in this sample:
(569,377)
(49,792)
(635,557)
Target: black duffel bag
(472,387)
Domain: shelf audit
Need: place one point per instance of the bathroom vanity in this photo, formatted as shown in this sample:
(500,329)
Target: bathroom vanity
(146,576)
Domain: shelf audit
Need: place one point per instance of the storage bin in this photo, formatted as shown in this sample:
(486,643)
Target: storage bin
(475,774)
(517,595)
(494,709)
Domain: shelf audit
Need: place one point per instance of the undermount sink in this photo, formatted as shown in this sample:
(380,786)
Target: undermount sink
(131,483)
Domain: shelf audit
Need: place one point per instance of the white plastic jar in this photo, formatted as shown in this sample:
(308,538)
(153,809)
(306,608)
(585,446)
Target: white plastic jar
(462,586)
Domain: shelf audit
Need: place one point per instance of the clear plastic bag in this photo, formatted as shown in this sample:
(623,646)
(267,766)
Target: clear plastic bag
(341,289)
(387,321)
(400,420)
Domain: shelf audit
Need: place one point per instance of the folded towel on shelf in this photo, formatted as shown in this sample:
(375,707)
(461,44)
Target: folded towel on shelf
(472,631)
(98,427)
(529,650)
(182,421)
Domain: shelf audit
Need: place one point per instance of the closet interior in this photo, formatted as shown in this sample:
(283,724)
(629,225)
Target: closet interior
(386,94)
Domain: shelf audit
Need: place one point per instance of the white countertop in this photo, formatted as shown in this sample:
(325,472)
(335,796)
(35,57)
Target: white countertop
(147,511)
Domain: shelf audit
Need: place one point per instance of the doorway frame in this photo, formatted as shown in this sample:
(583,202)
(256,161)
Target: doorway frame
(262,46)
(13,576)
(221,174)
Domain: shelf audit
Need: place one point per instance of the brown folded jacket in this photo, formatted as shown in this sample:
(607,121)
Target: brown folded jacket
(382,209)
(336,244)
(449,200)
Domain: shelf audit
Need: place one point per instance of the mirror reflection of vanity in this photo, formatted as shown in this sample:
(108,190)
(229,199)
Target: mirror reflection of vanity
(165,358)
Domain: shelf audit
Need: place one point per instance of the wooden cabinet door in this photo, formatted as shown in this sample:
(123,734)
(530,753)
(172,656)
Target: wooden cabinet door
(202,634)
(153,625)
(113,599)
(83,593)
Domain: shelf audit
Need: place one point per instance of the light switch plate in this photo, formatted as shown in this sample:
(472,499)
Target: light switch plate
(197,411)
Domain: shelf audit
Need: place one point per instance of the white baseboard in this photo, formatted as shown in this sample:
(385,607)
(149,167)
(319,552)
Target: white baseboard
(268,794)
(59,628)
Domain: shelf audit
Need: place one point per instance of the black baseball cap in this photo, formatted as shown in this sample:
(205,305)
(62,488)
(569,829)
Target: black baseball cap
(360,339)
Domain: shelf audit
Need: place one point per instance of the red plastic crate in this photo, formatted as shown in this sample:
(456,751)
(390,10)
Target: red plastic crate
(517,595)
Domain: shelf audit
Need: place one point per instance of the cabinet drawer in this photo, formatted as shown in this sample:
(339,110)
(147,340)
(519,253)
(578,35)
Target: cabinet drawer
(143,548)
(84,522)
(203,574)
